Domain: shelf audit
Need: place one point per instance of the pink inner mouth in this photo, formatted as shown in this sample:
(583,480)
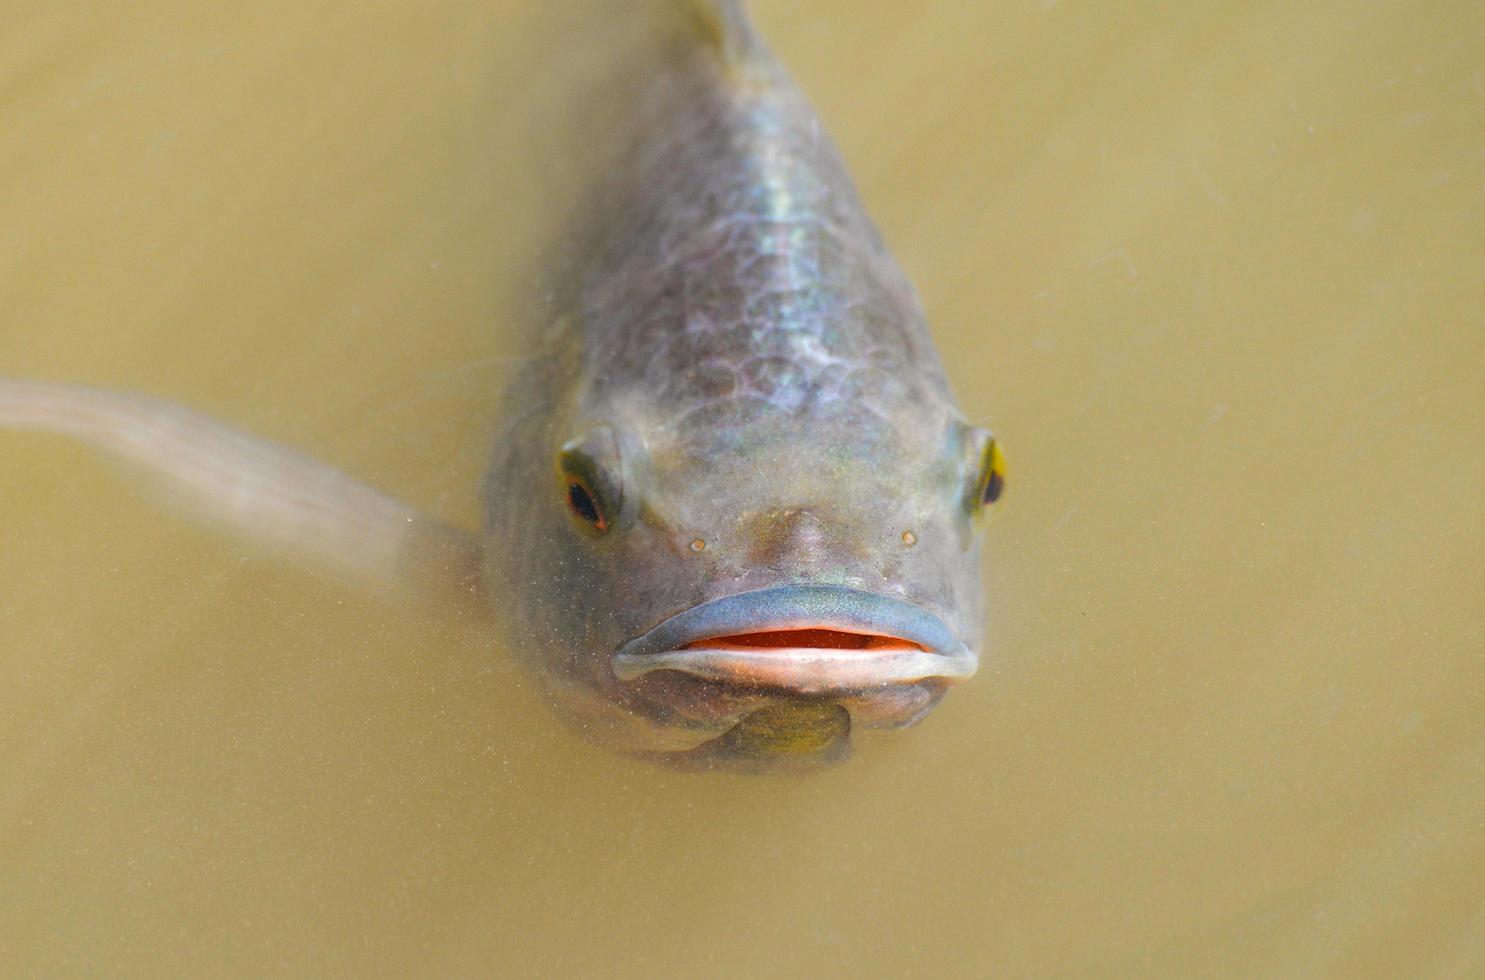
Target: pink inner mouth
(803,639)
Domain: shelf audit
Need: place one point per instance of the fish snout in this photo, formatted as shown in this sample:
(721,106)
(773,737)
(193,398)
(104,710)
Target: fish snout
(794,538)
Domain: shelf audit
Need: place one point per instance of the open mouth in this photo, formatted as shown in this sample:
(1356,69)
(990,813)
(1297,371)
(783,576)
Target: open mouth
(807,639)
(810,638)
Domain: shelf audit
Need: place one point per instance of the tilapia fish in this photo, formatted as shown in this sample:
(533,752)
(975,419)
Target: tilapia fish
(732,512)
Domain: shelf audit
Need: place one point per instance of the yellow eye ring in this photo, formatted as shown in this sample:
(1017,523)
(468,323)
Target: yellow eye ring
(992,477)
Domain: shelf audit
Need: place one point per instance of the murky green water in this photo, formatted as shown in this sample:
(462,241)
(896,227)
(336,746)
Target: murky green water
(1215,275)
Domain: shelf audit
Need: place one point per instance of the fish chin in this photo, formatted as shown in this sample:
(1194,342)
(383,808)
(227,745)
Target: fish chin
(719,727)
(798,735)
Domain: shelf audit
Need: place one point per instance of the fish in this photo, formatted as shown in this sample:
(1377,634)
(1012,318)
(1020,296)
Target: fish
(732,512)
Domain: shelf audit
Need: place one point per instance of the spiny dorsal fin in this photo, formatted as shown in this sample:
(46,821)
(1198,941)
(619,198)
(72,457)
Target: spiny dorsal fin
(725,25)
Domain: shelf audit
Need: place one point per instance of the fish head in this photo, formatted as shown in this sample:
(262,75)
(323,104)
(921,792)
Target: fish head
(744,590)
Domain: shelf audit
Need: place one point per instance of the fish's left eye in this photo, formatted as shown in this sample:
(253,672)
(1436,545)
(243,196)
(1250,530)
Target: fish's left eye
(993,482)
(989,478)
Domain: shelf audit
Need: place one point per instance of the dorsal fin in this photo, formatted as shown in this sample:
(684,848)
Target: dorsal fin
(725,25)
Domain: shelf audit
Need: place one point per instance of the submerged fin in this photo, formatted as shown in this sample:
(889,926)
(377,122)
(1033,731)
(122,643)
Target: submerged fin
(725,25)
(800,736)
(266,492)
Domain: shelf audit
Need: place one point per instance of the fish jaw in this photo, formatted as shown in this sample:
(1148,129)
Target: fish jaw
(806,640)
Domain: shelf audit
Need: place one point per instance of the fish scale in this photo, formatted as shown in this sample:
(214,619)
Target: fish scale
(741,245)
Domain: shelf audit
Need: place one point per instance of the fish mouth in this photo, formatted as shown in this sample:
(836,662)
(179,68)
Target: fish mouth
(807,639)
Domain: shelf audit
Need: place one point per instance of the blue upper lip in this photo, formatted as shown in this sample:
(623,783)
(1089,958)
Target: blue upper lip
(792,606)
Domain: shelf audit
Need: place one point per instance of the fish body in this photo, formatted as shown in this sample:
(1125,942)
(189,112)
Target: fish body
(732,511)
(739,381)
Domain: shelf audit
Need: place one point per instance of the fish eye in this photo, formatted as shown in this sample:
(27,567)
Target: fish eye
(583,506)
(992,476)
(986,463)
(591,480)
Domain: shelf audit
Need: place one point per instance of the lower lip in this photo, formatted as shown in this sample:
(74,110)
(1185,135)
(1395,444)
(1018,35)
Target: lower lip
(805,670)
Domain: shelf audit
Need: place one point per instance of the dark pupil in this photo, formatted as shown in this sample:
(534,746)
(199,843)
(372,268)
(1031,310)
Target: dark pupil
(581,502)
(993,487)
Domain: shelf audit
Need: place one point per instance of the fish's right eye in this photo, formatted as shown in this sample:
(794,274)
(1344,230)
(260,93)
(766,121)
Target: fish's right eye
(592,483)
(584,505)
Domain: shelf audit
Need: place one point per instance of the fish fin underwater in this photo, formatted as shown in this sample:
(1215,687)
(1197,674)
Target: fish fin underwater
(724,24)
(266,493)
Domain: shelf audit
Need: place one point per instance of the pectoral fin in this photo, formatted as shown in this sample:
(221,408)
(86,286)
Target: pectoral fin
(268,493)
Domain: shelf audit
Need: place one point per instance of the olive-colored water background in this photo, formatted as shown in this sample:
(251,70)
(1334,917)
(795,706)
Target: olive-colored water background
(1214,272)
